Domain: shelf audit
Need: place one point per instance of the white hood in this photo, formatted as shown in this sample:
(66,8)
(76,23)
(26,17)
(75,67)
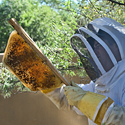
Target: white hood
(117,32)
(109,79)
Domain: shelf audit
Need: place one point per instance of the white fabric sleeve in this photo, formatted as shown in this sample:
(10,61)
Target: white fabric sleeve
(115,115)
(88,87)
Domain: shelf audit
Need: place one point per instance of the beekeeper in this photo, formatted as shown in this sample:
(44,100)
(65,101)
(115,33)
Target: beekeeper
(101,48)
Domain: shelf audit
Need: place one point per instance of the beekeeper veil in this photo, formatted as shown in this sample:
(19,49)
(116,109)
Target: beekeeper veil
(100,46)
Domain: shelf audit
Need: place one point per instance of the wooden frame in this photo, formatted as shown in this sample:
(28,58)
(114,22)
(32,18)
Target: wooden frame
(30,42)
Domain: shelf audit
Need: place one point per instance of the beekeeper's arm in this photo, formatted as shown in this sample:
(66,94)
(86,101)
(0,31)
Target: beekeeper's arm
(99,108)
(59,99)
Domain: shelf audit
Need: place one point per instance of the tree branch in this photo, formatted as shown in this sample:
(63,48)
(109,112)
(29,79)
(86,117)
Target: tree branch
(116,2)
(71,68)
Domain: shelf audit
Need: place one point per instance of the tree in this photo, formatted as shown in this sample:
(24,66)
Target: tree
(96,8)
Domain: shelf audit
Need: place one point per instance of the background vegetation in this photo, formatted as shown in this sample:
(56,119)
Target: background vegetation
(51,23)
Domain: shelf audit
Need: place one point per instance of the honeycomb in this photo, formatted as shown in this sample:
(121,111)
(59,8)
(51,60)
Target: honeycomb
(27,66)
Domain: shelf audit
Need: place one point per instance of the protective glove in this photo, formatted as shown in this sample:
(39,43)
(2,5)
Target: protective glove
(93,105)
(74,93)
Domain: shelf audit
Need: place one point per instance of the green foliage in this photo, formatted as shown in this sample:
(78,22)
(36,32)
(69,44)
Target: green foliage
(45,26)
(98,8)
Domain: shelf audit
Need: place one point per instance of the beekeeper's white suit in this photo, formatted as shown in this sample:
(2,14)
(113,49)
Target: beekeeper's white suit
(108,106)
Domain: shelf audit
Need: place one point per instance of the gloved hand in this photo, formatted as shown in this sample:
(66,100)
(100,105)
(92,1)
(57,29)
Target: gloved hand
(74,94)
(93,105)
